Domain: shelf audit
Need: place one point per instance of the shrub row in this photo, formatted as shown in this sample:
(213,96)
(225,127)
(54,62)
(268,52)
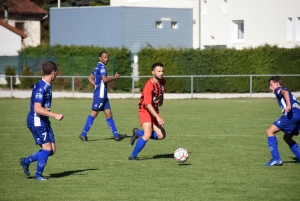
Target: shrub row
(264,59)
(81,60)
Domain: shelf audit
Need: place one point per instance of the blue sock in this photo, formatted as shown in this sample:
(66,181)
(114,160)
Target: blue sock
(42,161)
(138,147)
(140,133)
(33,157)
(154,136)
(112,126)
(295,149)
(273,145)
(89,122)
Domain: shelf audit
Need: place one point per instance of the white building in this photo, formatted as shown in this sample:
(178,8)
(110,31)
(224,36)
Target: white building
(237,23)
(11,39)
(25,16)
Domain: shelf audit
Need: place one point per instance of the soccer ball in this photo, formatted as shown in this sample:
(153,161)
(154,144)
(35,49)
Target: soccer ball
(181,155)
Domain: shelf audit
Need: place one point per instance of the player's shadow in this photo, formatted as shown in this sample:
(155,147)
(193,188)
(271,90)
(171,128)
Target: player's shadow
(68,173)
(163,156)
(294,160)
(112,138)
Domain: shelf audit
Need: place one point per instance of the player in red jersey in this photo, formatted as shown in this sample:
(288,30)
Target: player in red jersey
(152,124)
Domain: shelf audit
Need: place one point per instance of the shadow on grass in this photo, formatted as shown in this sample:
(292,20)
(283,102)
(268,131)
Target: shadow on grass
(68,173)
(294,160)
(163,156)
(112,138)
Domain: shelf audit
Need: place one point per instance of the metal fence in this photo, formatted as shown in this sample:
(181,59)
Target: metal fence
(134,78)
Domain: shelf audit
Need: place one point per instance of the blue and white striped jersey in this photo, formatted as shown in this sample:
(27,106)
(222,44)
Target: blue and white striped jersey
(282,102)
(41,93)
(100,86)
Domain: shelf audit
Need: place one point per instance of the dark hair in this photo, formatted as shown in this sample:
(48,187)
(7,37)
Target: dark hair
(48,67)
(157,64)
(277,79)
(100,54)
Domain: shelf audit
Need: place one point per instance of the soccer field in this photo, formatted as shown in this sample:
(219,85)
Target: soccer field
(225,139)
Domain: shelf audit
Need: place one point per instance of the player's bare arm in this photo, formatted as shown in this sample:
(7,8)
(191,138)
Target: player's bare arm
(287,100)
(42,111)
(91,79)
(109,79)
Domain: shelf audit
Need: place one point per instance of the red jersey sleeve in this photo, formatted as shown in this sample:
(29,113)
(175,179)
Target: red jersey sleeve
(147,93)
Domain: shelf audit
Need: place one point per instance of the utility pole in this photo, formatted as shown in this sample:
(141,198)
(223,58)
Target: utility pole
(5,11)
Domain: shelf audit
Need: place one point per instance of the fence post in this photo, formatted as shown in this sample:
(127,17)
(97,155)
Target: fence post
(132,86)
(250,86)
(73,86)
(192,86)
(11,86)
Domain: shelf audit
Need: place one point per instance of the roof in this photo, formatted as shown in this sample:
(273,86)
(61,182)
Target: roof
(22,7)
(13,29)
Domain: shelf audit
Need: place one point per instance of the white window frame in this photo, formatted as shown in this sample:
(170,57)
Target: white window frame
(174,25)
(237,31)
(224,6)
(298,29)
(159,24)
(203,7)
(289,29)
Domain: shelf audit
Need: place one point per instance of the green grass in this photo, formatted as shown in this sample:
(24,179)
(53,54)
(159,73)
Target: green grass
(225,139)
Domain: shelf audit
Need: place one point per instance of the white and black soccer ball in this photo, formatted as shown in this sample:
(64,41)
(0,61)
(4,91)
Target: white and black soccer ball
(181,155)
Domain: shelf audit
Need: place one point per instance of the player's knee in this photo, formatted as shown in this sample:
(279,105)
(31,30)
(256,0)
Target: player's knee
(269,132)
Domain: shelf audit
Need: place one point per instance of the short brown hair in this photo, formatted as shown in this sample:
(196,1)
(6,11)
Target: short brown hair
(277,79)
(48,67)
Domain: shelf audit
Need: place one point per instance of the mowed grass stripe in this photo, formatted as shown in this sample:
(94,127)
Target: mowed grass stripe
(225,139)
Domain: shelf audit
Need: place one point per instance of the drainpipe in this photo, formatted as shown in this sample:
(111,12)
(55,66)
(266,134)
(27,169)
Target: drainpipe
(5,11)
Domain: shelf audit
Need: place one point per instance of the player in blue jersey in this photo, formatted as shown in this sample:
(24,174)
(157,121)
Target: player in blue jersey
(289,122)
(99,79)
(38,121)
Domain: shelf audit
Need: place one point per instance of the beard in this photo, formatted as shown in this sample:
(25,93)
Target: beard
(158,78)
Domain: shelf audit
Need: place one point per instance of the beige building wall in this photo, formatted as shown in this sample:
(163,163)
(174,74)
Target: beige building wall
(32,29)
(265,21)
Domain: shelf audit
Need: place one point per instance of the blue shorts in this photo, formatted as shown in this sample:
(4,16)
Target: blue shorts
(288,125)
(42,135)
(100,104)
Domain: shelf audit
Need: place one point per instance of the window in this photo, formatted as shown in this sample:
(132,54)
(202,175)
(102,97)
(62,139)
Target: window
(237,31)
(289,28)
(224,6)
(20,26)
(174,25)
(204,7)
(298,29)
(159,24)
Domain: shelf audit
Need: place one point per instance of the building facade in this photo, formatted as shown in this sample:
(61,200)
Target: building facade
(243,23)
(25,16)
(130,27)
(11,40)
(192,4)
(236,23)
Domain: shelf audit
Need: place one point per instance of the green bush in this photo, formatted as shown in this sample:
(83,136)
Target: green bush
(264,59)
(10,71)
(81,60)
(27,82)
